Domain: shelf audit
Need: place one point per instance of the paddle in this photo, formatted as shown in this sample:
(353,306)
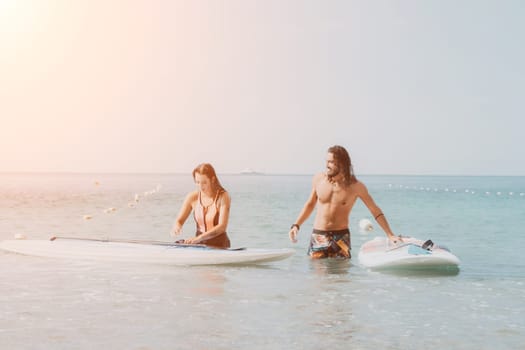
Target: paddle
(138,241)
(427,245)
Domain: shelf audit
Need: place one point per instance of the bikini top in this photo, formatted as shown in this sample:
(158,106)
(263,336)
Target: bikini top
(207,216)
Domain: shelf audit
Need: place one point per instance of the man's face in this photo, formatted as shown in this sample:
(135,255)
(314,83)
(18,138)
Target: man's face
(332,169)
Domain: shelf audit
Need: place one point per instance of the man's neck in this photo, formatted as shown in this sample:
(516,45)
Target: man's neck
(336,179)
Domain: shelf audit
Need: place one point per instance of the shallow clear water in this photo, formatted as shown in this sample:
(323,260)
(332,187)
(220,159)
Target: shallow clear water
(295,303)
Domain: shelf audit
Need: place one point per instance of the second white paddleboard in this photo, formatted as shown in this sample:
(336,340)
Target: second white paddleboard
(379,253)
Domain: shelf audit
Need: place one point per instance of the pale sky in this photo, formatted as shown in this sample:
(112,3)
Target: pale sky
(408,87)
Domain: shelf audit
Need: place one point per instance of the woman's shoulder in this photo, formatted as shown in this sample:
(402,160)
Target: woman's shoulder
(223,197)
(192,196)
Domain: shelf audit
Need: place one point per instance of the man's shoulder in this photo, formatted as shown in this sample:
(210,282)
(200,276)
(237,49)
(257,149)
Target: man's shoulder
(358,186)
(318,178)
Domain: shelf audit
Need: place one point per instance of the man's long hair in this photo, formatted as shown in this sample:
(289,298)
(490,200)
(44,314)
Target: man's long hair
(344,163)
(208,170)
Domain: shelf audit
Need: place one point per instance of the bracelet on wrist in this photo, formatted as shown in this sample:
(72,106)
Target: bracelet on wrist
(295,225)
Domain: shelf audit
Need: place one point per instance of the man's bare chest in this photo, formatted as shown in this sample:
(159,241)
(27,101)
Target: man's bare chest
(334,195)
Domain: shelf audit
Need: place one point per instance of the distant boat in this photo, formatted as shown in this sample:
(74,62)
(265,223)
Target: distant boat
(250,171)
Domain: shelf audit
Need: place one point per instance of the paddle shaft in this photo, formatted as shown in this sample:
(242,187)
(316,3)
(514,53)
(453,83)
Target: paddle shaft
(138,241)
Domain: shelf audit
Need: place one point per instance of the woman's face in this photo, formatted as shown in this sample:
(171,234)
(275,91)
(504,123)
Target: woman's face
(203,182)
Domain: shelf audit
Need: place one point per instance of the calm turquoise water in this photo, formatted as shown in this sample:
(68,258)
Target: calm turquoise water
(296,303)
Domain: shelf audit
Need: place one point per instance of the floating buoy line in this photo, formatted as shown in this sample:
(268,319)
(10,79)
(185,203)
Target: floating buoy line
(458,191)
(132,204)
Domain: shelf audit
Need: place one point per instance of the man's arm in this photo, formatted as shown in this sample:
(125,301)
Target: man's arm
(362,193)
(307,210)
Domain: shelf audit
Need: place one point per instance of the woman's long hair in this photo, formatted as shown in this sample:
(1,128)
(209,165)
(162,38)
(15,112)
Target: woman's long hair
(208,170)
(344,163)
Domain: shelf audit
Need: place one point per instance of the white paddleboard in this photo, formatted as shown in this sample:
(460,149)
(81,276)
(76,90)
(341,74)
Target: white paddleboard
(380,253)
(170,254)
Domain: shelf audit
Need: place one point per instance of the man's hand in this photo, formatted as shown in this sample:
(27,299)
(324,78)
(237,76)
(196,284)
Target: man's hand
(395,239)
(293,234)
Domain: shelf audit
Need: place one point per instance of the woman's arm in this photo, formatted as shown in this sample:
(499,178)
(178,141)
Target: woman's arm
(183,214)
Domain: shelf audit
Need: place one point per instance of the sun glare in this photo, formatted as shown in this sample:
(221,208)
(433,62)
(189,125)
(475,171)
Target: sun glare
(22,23)
(16,16)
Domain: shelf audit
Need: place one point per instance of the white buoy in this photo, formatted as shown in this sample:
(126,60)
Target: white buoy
(20,236)
(365,225)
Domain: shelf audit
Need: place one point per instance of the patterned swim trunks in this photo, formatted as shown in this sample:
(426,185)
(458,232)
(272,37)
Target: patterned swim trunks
(330,244)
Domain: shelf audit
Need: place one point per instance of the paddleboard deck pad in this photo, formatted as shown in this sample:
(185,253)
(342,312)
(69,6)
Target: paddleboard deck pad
(154,253)
(412,253)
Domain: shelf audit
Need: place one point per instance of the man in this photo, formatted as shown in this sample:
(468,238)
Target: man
(335,193)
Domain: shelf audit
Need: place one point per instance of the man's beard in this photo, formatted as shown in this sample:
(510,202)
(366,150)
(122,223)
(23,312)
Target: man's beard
(332,172)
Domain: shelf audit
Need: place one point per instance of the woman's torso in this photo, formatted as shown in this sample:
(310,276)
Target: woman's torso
(206,214)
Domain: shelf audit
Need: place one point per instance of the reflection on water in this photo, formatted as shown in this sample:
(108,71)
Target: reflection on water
(208,283)
(422,272)
(330,266)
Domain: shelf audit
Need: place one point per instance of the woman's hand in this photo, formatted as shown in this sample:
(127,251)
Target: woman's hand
(193,240)
(176,231)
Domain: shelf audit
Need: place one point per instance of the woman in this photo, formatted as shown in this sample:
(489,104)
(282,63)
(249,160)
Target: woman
(211,209)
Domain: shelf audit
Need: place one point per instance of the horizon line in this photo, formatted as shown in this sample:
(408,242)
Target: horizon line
(235,173)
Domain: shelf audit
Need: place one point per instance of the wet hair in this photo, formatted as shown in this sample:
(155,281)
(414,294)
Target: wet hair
(344,163)
(208,170)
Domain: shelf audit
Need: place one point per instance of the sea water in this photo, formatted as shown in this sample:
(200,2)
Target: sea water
(291,304)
